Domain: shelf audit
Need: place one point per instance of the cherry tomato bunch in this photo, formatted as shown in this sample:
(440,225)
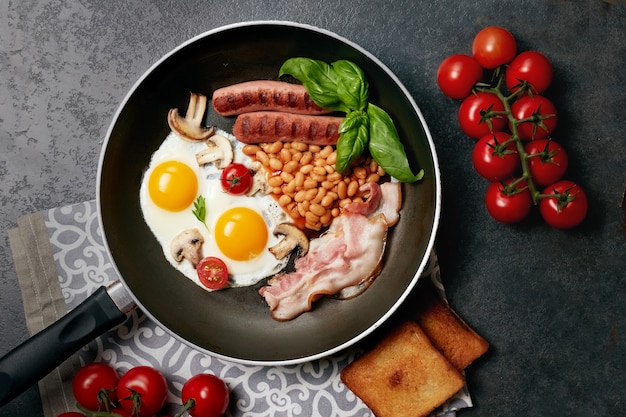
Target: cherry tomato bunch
(504,110)
(141,392)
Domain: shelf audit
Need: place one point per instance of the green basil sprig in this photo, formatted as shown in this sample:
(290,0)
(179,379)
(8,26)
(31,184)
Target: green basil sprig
(342,86)
(386,148)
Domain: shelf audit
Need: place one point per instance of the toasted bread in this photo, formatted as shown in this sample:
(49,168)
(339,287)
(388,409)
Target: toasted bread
(403,375)
(447,331)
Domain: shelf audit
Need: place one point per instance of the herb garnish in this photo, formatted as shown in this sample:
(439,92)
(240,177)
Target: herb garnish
(199,210)
(342,86)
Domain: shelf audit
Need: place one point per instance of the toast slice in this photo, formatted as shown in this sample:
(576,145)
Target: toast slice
(447,331)
(404,375)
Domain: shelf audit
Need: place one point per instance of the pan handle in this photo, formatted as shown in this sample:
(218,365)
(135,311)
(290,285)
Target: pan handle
(39,355)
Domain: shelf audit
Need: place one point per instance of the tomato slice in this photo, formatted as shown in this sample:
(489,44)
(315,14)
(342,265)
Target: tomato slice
(212,273)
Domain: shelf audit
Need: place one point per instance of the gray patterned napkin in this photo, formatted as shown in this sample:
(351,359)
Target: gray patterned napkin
(60,260)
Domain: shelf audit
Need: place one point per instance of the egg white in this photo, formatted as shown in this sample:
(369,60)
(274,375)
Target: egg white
(165,225)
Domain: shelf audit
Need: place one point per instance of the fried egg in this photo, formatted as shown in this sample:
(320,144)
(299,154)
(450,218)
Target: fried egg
(237,229)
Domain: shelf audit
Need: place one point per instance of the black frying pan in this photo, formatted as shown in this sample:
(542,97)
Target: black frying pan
(234,324)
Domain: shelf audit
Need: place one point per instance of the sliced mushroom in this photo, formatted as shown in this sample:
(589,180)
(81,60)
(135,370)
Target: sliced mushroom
(259,180)
(293,238)
(219,150)
(187,245)
(190,127)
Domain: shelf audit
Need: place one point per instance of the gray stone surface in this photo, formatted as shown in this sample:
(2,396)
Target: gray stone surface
(550,302)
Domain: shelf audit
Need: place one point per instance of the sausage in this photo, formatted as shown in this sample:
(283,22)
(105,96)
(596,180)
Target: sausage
(264,95)
(271,126)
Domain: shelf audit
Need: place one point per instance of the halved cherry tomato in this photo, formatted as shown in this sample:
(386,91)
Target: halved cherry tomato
(209,394)
(95,384)
(507,203)
(212,273)
(567,208)
(494,160)
(532,67)
(236,179)
(547,161)
(494,46)
(541,114)
(457,75)
(481,114)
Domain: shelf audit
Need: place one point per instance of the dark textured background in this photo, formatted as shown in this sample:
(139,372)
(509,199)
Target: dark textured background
(550,302)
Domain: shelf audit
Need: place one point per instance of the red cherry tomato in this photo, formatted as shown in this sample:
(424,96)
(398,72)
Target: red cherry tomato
(209,393)
(212,272)
(94,384)
(71,414)
(120,412)
(542,115)
(493,160)
(457,75)
(236,179)
(547,161)
(494,46)
(567,208)
(532,67)
(475,115)
(506,203)
(142,391)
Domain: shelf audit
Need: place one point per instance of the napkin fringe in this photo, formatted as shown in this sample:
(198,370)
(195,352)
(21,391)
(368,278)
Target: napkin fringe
(43,303)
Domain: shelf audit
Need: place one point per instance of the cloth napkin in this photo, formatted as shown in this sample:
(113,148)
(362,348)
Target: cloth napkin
(60,260)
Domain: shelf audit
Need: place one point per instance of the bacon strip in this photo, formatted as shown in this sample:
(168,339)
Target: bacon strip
(350,253)
(385,198)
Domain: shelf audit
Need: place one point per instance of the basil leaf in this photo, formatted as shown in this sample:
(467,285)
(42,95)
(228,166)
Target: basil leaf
(319,79)
(352,86)
(353,140)
(386,148)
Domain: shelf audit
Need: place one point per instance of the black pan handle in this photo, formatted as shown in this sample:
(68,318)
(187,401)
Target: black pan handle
(38,356)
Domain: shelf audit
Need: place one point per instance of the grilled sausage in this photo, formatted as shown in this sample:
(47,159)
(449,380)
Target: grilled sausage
(264,95)
(270,126)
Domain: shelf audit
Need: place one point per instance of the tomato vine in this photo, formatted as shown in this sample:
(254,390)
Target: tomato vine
(510,99)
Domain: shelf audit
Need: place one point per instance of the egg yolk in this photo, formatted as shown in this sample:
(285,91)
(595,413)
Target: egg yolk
(173,185)
(241,233)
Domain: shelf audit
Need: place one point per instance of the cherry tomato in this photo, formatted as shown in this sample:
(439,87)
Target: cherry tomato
(478,111)
(493,160)
(457,75)
(236,179)
(142,391)
(547,161)
(212,272)
(494,46)
(93,384)
(507,203)
(209,393)
(120,412)
(71,414)
(542,113)
(532,67)
(567,208)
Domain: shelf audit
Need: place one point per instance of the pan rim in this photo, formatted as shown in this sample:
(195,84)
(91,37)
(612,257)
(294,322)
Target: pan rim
(437,187)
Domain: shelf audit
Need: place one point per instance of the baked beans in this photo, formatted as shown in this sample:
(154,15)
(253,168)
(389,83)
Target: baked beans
(305,183)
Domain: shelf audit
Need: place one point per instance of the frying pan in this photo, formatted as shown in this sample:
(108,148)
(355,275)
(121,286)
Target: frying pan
(233,324)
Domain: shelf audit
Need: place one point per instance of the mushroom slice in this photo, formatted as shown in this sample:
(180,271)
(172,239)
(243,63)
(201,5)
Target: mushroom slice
(219,150)
(187,245)
(259,180)
(190,127)
(293,238)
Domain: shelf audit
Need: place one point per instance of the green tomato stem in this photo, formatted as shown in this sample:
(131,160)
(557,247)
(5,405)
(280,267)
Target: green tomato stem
(513,123)
(186,407)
